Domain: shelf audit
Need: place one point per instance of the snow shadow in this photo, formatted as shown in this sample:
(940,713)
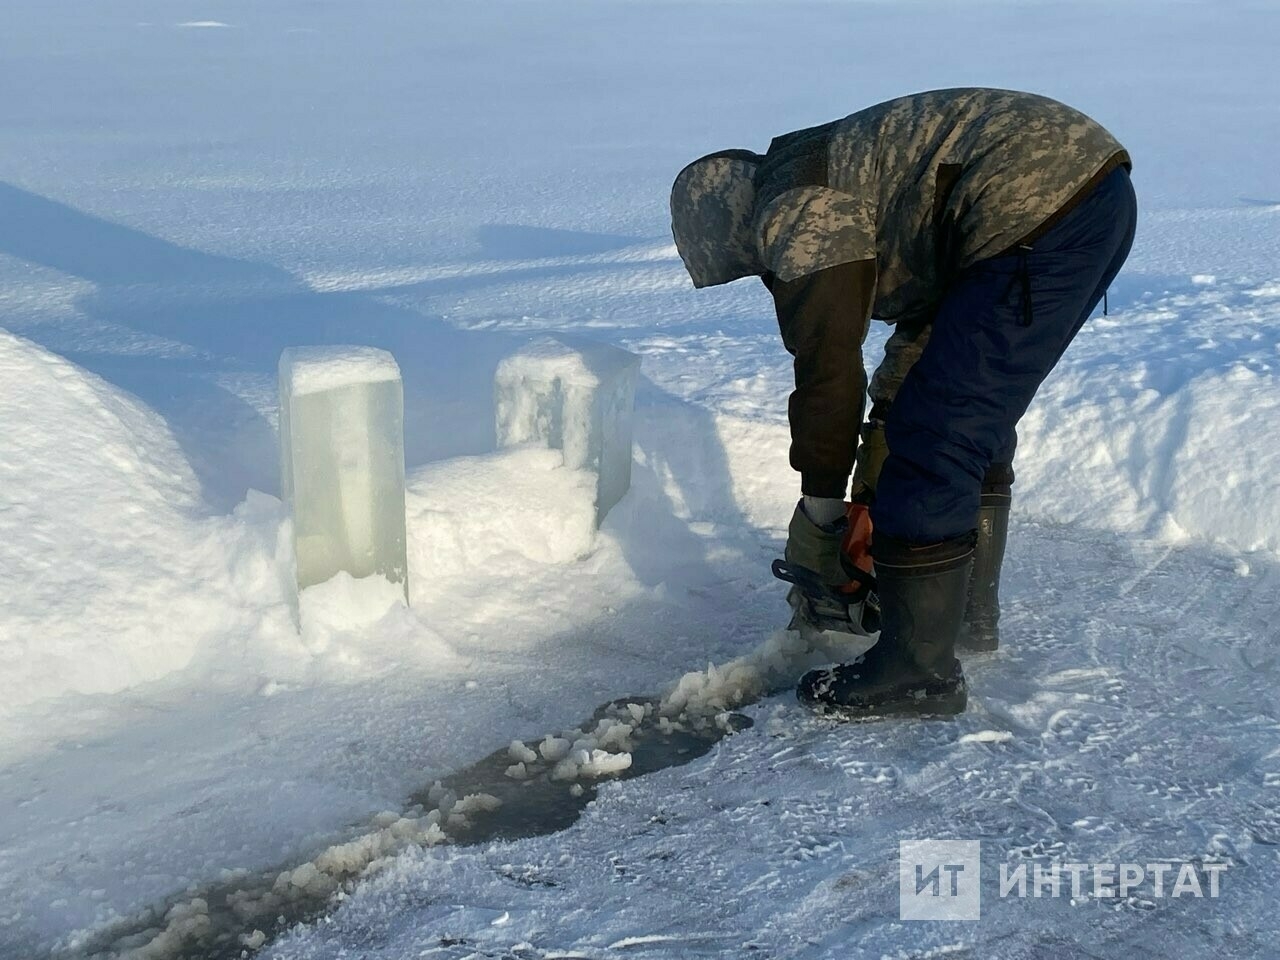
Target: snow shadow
(212,328)
(509,241)
(183,326)
(53,234)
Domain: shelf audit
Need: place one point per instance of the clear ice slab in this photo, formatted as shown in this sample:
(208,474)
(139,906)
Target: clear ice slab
(577,397)
(342,461)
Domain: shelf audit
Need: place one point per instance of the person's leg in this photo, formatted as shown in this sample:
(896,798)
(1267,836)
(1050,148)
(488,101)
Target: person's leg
(980,630)
(989,351)
(997,334)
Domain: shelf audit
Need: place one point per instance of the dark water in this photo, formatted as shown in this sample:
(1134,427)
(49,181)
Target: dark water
(529,808)
(542,806)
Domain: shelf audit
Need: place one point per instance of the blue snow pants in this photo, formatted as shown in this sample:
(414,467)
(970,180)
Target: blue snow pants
(1001,327)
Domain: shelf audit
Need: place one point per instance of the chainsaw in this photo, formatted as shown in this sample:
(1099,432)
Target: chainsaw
(850,608)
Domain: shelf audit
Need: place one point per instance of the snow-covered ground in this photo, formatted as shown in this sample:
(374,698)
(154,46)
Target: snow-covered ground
(188,187)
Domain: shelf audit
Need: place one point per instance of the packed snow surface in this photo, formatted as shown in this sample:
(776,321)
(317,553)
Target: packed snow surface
(181,203)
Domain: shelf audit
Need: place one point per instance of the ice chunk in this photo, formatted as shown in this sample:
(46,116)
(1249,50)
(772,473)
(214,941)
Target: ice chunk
(575,397)
(448,799)
(616,736)
(566,769)
(253,940)
(342,461)
(554,748)
(601,763)
(521,753)
(478,803)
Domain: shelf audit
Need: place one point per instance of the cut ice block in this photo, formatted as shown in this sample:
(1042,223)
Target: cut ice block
(577,398)
(342,461)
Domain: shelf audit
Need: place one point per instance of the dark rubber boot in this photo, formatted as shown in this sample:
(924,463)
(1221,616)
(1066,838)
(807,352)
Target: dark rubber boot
(912,669)
(981,630)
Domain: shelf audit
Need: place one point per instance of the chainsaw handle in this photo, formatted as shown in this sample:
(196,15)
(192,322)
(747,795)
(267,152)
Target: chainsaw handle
(802,577)
(808,581)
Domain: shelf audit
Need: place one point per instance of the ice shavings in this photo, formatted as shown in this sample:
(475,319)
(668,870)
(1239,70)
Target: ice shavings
(700,696)
(187,924)
(602,763)
(553,749)
(697,703)
(602,751)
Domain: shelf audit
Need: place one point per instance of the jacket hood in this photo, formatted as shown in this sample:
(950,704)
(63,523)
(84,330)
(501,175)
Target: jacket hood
(712,206)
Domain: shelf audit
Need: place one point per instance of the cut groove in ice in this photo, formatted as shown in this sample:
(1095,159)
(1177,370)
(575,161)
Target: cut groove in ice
(575,397)
(342,462)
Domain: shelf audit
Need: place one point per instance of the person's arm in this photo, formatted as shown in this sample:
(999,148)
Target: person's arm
(901,351)
(823,317)
(818,247)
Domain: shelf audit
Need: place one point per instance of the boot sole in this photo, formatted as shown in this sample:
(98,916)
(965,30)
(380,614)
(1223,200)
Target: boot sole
(977,641)
(937,705)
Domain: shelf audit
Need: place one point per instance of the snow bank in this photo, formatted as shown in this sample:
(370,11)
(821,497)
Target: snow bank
(110,572)
(114,575)
(1162,420)
(1158,421)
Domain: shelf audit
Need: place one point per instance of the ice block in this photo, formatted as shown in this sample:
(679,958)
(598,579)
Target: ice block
(342,461)
(577,397)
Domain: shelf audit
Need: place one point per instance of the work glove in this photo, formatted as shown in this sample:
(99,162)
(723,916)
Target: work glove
(869,460)
(816,547)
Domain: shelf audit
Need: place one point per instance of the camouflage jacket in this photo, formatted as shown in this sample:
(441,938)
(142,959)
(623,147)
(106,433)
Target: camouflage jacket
(872,216)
